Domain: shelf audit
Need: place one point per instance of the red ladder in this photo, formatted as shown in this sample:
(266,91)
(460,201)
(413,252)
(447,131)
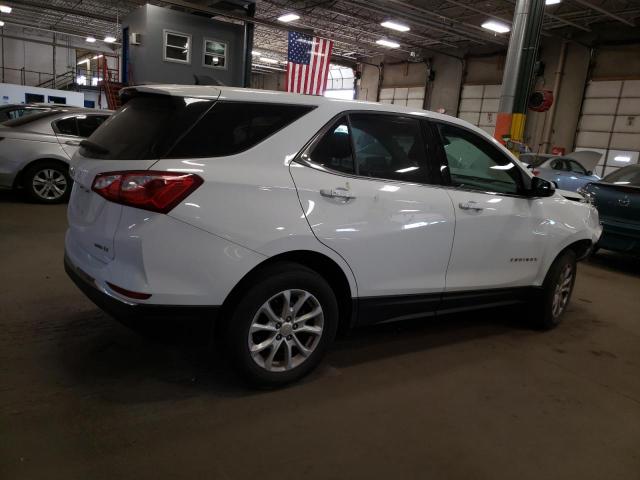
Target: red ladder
(111,86)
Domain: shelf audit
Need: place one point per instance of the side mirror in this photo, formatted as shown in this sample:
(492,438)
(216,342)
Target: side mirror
(589,172)
(541,187)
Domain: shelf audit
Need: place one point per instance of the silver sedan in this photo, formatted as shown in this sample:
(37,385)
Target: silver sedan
(35,150)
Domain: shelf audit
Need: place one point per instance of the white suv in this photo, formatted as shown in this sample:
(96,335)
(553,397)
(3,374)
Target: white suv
(284,217)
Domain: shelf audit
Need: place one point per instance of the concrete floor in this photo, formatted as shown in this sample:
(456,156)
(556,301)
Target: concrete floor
(472,396)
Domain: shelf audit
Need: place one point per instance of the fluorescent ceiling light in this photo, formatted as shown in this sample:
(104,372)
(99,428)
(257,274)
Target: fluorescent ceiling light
(289,17)
(395,26)
(268,60)
(387,43)
(96,57)
(109,39)
(5,9)
(621,158)
(552,2)
(497,27)
(91,40)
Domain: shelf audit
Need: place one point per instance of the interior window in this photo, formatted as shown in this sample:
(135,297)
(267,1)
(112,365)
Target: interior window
(576,167)
(333,151)
(215,53)
(177,47)
(475,164)
(67,126)
(388,146)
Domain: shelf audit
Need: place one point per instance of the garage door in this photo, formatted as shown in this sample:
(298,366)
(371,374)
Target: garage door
(610,123)
(407,96)
(479,105)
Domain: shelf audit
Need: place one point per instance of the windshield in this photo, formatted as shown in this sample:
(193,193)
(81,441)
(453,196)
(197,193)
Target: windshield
(629,175)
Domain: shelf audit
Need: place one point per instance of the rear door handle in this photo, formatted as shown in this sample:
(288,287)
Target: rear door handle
(470,205)
(340,193)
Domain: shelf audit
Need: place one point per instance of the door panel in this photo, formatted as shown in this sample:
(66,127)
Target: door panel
(498,243)
(396,237)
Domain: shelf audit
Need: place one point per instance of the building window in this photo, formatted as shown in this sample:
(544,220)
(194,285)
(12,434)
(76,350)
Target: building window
(177,47)
(214,54)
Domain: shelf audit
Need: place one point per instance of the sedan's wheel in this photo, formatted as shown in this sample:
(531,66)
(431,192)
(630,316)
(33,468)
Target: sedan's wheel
(48,182)
(282,324)
(547,311)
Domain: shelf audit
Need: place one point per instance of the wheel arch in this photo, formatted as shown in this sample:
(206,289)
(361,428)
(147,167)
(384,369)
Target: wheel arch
(18,182)
(319,263)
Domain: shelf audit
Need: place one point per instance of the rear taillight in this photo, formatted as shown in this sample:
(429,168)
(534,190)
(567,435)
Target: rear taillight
(155,191)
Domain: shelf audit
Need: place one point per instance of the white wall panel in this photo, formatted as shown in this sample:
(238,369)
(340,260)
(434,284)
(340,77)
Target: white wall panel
(472,91)
(593,139)
(597,123)
(599,106)
(471,117)
(603,89)
(625,141)
(630,106)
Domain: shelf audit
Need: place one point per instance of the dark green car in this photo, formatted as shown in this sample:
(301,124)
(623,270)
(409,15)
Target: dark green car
(617,198)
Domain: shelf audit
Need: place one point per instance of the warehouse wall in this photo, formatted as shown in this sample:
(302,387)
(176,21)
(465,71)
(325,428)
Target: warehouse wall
(269,81)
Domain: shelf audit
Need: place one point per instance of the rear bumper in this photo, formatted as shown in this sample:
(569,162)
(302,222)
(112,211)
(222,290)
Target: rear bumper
(130,311)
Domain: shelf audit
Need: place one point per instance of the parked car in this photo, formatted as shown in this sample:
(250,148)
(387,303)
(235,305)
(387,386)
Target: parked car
(35,150)
(284,216)
(566,172)
(617,198)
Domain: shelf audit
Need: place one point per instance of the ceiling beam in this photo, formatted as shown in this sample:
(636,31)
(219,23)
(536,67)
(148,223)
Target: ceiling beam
(607,13)
(67,11)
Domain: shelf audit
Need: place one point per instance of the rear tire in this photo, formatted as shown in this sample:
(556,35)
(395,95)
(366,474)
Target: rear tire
(47,182)
(548,309)
(282,326)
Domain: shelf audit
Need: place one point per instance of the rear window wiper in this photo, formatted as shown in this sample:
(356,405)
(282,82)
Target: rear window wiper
(94,147)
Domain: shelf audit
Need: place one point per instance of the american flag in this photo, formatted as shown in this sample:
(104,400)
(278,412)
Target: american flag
(308,63)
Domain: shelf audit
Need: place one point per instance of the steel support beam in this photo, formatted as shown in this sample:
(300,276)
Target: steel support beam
(584,3)
(518,70)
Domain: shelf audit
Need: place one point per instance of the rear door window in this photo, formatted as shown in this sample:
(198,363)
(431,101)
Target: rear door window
(333,151)
(87,124)
(229,128)
(67,126)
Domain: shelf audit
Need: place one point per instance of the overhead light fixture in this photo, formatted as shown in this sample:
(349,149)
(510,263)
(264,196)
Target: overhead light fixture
(387,43)
(552,2)
(268,60)
(497,27)
(288,17)
(395,26)
(91,40)
(96,57)
(109,39)
(5,9)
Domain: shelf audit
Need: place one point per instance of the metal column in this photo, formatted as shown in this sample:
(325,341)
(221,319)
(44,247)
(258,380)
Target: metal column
(518,70)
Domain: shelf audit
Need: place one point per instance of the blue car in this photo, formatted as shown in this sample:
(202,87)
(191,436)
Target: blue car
(567,173)
(617,198)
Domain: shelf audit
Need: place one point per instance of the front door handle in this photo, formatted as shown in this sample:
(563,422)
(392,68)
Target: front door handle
(470,205)
(73,143)
(340,193)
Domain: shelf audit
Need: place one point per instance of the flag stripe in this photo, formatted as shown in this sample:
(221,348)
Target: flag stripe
(308,64)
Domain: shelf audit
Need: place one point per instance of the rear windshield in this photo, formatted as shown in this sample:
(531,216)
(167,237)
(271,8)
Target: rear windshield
(16,122)
(163,126)
(625,176)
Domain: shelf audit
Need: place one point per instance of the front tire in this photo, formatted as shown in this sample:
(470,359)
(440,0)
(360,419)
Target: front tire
(47,182)
(548,310)
(282,325)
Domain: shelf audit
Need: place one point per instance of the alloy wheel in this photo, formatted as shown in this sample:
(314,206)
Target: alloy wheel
(49,184)
(286,330)
(562,291)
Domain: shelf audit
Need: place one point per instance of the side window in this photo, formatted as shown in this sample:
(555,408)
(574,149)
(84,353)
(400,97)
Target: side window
(576,167)
(388,146)
(229,128)
(88,123)
(476,164)
(333,151)
(557,164)
(67,126)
